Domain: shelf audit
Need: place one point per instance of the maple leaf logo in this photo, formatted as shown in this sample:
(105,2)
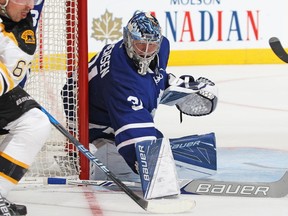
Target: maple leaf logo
(106,28)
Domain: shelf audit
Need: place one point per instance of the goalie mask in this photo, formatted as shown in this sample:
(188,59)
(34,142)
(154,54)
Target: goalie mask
(142,38)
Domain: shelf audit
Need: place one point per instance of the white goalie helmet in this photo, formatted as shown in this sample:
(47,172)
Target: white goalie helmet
(142,38)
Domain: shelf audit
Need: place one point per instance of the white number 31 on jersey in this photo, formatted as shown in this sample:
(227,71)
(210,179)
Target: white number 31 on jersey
(137,104)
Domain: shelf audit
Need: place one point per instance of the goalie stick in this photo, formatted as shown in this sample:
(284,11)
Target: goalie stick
(275,189)
(278,49)
(167,205)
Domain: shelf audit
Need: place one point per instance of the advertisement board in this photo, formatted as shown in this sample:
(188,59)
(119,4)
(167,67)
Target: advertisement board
(199,31)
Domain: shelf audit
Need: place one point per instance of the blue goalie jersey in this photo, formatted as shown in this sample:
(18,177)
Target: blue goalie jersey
(122,103)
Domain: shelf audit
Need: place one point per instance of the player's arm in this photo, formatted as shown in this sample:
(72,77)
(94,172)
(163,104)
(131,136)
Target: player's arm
(6,81)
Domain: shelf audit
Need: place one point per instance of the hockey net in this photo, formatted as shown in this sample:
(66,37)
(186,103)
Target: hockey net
(58,55)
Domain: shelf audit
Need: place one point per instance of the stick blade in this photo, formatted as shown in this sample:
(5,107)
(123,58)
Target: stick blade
(171,205)
(278,49)
(273,40)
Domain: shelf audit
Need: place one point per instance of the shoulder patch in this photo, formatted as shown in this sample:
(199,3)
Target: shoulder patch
(29,37)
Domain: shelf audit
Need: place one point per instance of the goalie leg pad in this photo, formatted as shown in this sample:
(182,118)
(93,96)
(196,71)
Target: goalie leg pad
(157,169)
(106,151)
(195,156)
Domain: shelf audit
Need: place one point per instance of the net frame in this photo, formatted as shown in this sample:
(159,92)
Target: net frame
(62,26)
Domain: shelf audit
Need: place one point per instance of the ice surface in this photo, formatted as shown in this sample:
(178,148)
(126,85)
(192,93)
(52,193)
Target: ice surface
(251,127)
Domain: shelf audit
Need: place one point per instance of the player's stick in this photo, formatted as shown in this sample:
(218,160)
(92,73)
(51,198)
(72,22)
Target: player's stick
(274,189)
(79,182)
(278,49)
(156,205)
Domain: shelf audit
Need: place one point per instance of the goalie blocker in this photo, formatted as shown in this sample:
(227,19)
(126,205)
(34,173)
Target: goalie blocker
(162,161)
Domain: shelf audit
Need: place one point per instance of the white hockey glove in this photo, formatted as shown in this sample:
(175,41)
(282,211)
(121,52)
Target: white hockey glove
(202,101)
(176,91)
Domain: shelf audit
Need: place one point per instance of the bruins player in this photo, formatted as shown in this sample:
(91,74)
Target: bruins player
(25,126)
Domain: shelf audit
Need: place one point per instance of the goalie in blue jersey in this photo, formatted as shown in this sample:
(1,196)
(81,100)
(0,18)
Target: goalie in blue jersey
(127,81)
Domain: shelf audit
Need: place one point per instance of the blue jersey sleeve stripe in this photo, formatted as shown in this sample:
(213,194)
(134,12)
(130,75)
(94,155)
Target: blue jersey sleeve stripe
(135,140)
(92,126)
(92,73)
(134,125)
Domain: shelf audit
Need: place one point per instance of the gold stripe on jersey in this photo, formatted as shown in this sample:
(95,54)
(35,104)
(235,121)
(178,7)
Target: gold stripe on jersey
(19,163)
(9,178)
(8,34)
(12,169)
(5,80)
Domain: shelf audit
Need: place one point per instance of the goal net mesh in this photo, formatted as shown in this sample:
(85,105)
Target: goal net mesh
(55,60)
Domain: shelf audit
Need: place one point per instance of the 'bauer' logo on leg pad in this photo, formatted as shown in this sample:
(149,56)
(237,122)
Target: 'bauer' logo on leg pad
(157,169)
(195,156)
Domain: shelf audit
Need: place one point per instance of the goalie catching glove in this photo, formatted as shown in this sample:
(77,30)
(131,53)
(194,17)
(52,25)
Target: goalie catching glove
(202,102)
(191,97)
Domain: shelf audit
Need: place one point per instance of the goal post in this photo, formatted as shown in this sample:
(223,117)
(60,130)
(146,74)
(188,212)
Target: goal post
(83,92)
(62,51)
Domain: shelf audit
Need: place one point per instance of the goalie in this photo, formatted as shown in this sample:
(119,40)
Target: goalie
(126,83)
